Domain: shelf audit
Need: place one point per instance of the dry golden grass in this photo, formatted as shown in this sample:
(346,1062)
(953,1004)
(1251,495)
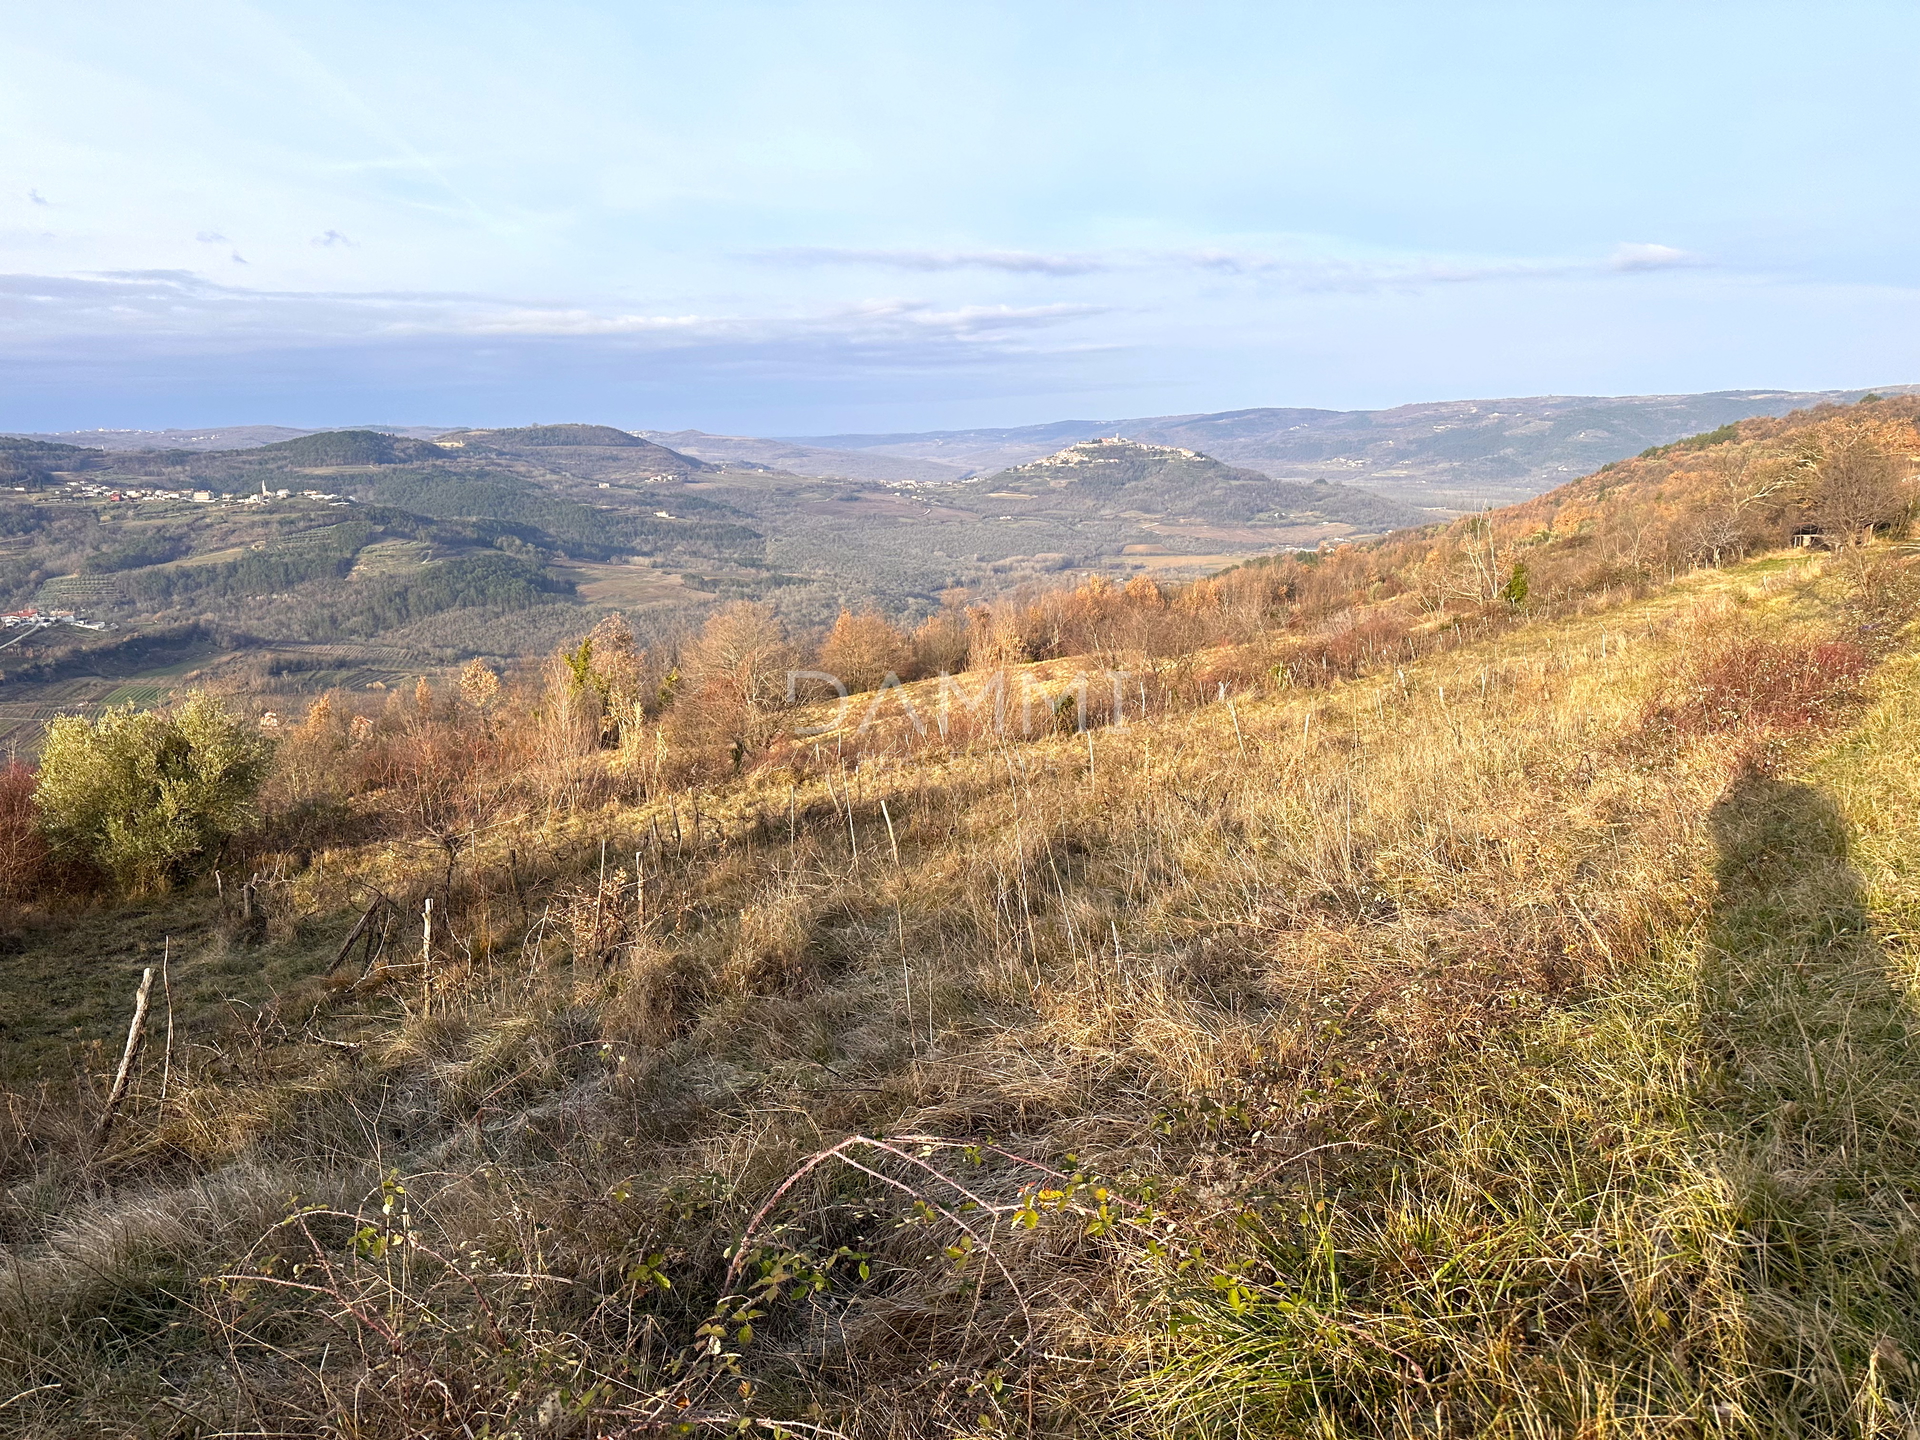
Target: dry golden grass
(1469,1048)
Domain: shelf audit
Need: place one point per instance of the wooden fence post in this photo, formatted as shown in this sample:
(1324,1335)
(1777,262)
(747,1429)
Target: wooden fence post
(136,1032)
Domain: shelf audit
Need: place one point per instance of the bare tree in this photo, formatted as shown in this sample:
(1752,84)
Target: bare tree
(1859,467)
(1482,553)
(1748,474)
(1719,534)
(1744,478)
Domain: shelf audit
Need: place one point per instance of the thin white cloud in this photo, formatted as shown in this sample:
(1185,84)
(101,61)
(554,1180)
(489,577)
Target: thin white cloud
(1323,272)
(1300,269)
(964,319)
(328,239)
(37,198)
(1015,262)
(212,237)
(1646,256)
(1334,273)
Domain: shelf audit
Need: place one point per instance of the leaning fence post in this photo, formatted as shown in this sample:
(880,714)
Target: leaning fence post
(136,1032)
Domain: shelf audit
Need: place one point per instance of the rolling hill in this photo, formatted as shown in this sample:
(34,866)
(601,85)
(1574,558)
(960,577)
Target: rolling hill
(1462,454)
(349,558)
(1454,984)
(1455,455)
(1175,487)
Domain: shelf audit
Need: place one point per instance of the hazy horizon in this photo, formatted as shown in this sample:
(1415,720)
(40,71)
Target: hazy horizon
(984,425)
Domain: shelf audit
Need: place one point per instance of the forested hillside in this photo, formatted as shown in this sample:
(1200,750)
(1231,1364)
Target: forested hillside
(362,559)
(1454,984)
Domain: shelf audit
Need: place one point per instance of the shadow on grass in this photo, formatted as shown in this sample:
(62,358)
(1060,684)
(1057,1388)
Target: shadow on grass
(1691,1211)
(1811,1114)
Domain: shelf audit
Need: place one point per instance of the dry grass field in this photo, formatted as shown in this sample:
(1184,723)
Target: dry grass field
(1512,1041)
(633,587)
(1460,985)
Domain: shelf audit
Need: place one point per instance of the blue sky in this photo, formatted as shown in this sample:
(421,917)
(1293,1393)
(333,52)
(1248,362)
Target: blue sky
(807,218)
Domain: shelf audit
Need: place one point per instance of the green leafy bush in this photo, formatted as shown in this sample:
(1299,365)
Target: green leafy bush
(1518,583)
(147,796)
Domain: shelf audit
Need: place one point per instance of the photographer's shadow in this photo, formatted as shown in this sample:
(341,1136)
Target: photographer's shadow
(1812,1106)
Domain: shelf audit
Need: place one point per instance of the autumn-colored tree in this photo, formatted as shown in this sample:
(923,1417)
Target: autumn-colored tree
(735,678)
(1079,621)
(435,775)
(479,686)
(940,644)
(862,650)
(617,673)
(742,651)
(598,690)
(308,763)
(996,639)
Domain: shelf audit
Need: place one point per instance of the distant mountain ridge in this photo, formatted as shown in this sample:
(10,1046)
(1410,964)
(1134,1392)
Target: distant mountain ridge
(1441,456)
(1456,454)
(216,437)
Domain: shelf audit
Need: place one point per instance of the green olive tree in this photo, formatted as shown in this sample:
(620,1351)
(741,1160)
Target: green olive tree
(148,795)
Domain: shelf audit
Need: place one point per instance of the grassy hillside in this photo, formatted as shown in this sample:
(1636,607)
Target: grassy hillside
(1362,1007)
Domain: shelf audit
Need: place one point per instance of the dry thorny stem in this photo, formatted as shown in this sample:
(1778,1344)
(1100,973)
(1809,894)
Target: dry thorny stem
(386,1290)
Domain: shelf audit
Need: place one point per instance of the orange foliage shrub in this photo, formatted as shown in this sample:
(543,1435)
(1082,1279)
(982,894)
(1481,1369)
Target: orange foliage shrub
(862,650)
(23,850)
(940,644)
(735,679)
(1737,681)
(1343,653)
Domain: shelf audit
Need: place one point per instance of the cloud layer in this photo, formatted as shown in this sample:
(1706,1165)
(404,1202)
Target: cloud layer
(1254,205)
(180,309)
(1299,267)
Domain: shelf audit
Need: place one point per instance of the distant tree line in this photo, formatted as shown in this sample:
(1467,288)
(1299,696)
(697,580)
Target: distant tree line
(490,580)
(258,572)
(153,548)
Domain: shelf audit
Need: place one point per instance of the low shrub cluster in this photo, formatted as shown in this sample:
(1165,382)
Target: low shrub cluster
(1736,681)
(148,796)
(23,847)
